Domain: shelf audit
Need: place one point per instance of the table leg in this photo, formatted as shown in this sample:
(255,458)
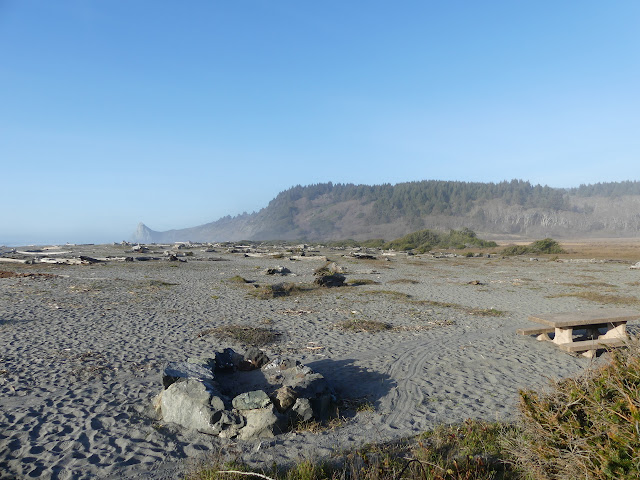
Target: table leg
(563,335)
(616,330)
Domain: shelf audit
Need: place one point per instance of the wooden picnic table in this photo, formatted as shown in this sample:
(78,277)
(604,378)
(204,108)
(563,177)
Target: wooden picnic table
(563,326)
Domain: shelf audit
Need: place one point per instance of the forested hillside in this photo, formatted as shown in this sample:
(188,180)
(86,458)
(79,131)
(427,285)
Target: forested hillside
(337,211)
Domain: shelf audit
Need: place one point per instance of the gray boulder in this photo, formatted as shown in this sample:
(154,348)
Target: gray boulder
(190,404)
(179,371)
(261,423)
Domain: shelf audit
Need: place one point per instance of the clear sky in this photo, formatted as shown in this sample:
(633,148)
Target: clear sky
(178,113)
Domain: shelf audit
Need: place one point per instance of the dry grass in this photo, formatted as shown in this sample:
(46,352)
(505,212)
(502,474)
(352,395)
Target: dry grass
(388,293)
(399,281)
(256,336)
(468,451)
(362,281)
(605,249)
(600,298)
(286,289)
(594,284)
(363,325)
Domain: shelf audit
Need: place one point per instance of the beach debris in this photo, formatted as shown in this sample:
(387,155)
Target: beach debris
(475,282)
(635,267)
(362,256)
(335,280)
(279,270)
(242,396)
(329,275)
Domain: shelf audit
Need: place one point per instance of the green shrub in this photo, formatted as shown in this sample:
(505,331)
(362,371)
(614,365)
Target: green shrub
(546,245)
(424,240)
(585,427)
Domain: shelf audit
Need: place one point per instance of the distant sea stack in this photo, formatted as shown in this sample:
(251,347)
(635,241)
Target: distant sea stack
(144,234)
(514,208)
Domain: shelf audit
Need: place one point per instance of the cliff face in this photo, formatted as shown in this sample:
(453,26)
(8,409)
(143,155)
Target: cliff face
(329,216)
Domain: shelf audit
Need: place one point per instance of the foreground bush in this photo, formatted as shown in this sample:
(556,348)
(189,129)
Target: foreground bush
(586,427)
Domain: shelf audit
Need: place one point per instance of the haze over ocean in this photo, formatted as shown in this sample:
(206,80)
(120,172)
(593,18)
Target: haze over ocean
(178,114)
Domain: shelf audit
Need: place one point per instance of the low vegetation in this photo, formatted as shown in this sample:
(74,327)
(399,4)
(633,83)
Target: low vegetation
(285,289)
(546,245)
(361,281)
(424,240)
(601,298)
(585,427)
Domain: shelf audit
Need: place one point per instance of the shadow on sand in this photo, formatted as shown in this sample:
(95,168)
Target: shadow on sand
(353,384)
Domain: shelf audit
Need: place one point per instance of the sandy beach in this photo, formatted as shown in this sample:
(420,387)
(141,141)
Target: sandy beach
(83,349)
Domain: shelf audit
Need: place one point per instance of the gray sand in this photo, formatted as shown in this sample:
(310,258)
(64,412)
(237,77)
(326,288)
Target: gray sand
(83,352)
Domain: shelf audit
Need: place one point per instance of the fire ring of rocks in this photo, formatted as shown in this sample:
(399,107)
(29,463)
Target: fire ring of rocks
(242,396)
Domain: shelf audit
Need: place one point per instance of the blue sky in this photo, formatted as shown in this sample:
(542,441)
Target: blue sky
(178,113)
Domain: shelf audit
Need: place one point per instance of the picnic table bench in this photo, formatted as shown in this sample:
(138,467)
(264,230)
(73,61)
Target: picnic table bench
(604,328)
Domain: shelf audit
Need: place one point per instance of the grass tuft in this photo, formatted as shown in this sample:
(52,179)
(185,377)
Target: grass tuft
(363,325)
(276,290)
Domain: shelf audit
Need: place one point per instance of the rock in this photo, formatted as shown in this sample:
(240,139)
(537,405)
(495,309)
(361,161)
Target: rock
(363,256)
(251,400)
(329,269)
(315,388)
(635,267)
(90,260)
(228,360)
(189,404)
(178,371)
(254,358)
(206,362)
(334,280)
(302,411)
(279,270)
(227,424)
(261,423)
(284,398)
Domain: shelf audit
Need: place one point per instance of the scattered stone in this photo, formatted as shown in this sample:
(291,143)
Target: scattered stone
(253,358)
(335,280)
(279,270)
(251,400)
(302,411)
(178,371)
(228,360)
(90,260)
(284,398)
(363,256)
(208,394)
(261,423)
